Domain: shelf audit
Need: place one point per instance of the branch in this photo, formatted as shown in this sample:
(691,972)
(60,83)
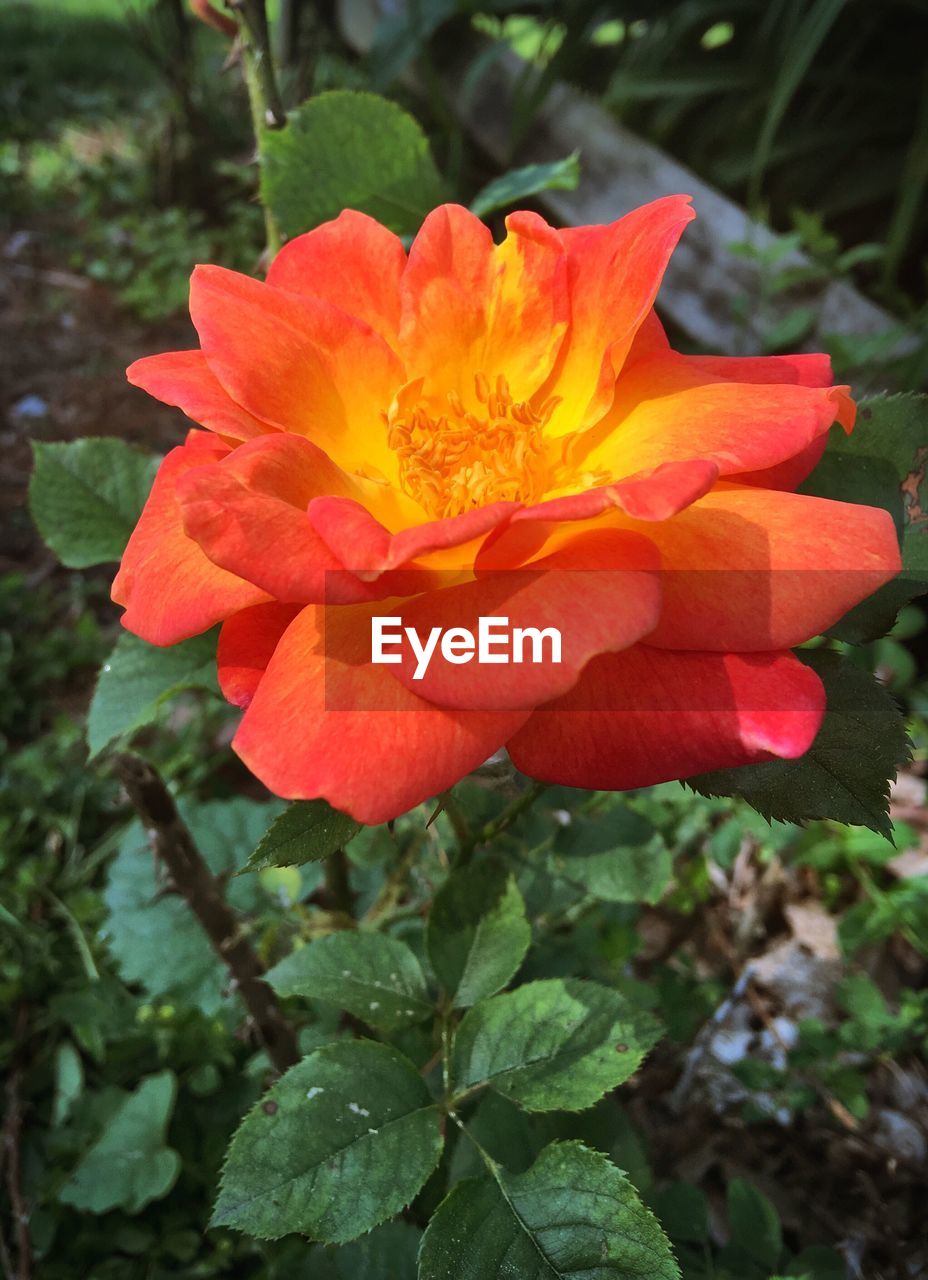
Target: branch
(172,843)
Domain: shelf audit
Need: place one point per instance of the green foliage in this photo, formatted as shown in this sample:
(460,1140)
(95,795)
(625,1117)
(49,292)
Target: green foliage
(149,932)
(48,635)
(376,978)
(551,1044)
(344,1140)
(615,856)
(55,64)
(845,774)
(306,831)
(519,184)
(86,497)
(129,1165)
(146,257)
(572,1213)
(364,153)
(138,679)
(477,932)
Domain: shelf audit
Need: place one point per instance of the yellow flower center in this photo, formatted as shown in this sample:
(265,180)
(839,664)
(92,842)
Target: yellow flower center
(452,459)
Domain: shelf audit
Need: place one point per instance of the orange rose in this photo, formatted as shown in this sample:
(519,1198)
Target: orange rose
(492,430)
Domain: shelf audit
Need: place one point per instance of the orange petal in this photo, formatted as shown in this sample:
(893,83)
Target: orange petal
(666,410)
(368,549)
(471,307)
(807,370)
(614,273)
(246,645)
(614,573)
(184,379)
(300,364)
(812,370)
(749,569)
(787,475)
(651,715)
(169,588)
(248,512)
(548,526)
(354,263)
(325,722)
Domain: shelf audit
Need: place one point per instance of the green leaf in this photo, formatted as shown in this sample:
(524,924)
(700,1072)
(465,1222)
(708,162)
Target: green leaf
(69,1081)
(518,184)
(86,496)
(624,875)
(349,150)
(572,1214)
(754,1223)
(551,1044)
(883,463)
(845,774)
(153,936)
(129,1165)
(307,831)
(387,1253)
(344,1140)
(138,678)
(477,933)
(614,856)
(374,977)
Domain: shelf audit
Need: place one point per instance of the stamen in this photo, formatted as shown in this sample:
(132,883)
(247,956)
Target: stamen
(453,461)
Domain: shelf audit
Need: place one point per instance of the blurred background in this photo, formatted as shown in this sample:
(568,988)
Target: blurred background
(788,964)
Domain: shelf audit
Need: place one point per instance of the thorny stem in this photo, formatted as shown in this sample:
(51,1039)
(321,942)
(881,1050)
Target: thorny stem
(490,830)
(267,111)
(172,843)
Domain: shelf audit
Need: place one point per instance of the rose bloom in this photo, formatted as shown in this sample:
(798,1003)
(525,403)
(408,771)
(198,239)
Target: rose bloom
(492,430)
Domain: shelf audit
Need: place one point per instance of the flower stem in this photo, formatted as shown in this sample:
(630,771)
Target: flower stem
(267,110)
(490,830)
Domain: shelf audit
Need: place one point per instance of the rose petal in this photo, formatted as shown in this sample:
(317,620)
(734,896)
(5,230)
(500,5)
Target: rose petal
(471,307)
(184,379)
(614,273)
(354,263)
(600,592)
(651,715)
(665,410)
(325,722)
(301,364)
(248,512)
(170,589)
(246,645)
(752,569)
